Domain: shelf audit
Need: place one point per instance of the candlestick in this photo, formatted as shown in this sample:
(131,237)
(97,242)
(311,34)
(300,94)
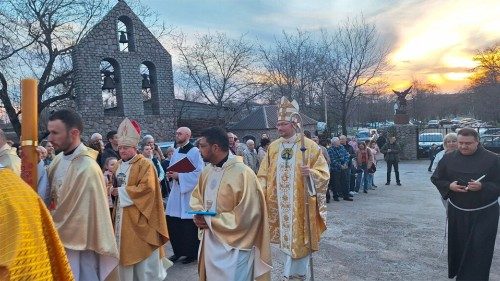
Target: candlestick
(29,132)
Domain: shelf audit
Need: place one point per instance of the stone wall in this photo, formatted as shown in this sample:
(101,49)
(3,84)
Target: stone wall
(406,137)
(100,44)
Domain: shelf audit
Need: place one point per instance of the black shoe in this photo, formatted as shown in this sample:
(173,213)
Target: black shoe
(189,260)
(387,183)
(398,183)
(374,186)
(348,199)
(174,258)
(350,195)
(336,199)
(327,199)
(429,170)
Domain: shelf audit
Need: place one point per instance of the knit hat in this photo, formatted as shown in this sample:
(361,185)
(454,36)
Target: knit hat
(129,133)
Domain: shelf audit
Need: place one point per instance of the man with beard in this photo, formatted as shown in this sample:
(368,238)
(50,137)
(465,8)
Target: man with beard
(469,178)
(183,232)
(235,242)
(78,201)
(140,227)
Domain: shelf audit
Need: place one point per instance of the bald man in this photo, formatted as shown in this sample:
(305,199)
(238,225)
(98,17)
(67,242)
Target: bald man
(182,230)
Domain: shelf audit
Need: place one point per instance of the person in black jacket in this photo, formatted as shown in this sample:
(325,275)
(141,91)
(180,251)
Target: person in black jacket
(381,140)
(111,148)
(391,156)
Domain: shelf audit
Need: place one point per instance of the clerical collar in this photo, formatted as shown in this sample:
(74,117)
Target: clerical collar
(221,163)
(291,139)
(70,152)
(185,148)
(74,152)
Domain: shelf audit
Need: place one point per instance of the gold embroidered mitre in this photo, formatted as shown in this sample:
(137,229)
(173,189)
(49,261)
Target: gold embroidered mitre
(129,133)
(286,108)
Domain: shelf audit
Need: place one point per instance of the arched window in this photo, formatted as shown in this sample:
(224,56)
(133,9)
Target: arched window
(110,86)
(149,88)
(125,34)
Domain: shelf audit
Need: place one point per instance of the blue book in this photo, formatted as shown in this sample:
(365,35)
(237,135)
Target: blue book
(203,213)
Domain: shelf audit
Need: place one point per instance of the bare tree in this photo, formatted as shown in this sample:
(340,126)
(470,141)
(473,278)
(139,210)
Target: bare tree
(47,30)
(37,37)
(359,58)
(484,86)
(222,70)
(295,67)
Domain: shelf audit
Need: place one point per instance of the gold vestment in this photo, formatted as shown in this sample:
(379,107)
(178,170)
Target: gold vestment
(319,173)
(81,213)
(30,248)
(144,228)
(241,221)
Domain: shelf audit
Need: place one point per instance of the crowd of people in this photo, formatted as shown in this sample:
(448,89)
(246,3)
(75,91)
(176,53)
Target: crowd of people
(109,209)
(114,206)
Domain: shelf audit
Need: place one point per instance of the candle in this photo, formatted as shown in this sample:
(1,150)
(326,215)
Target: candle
(29,131)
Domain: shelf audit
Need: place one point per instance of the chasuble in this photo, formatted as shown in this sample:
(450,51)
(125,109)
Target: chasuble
(284,188)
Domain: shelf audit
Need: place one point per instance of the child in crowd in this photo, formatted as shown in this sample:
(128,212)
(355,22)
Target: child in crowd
(108,179)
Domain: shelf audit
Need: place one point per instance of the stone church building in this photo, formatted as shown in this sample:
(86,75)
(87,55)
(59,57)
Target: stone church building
(122,70)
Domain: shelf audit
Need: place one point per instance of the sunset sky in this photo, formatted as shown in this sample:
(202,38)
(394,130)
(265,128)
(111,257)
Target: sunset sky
(430,40)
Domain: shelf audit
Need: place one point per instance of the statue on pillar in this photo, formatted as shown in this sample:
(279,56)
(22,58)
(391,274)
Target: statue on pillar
(402,102)
(400,111)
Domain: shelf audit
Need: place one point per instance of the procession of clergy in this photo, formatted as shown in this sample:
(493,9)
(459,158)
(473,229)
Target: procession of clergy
(67,232)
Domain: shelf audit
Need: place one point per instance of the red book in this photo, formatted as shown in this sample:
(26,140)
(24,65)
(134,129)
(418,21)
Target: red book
(182,166)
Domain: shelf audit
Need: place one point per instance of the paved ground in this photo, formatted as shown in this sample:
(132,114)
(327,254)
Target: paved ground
(391,233)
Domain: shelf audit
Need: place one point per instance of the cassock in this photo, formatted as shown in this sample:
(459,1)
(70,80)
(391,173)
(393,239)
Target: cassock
(140,226)
(9,159)
(236,244)
(280,176)
(183,232)
(79,208)
(30,248)
(473,215)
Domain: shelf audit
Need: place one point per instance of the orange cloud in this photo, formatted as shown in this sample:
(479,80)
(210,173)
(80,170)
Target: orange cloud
(437,42)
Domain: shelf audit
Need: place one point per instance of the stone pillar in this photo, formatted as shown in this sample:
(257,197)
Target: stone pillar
(406,137)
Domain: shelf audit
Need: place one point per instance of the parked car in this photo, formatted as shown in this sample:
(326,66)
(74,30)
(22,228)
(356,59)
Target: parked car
(433,124)
(426,140)
(363,136)
(445,122)
(492,143)
(489,131)
(165,145)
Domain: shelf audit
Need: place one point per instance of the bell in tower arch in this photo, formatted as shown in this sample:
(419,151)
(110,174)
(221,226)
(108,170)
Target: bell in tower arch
(109,83)
(146,83)
(123,37)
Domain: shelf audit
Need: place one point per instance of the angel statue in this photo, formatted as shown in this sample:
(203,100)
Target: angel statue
(402,103)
